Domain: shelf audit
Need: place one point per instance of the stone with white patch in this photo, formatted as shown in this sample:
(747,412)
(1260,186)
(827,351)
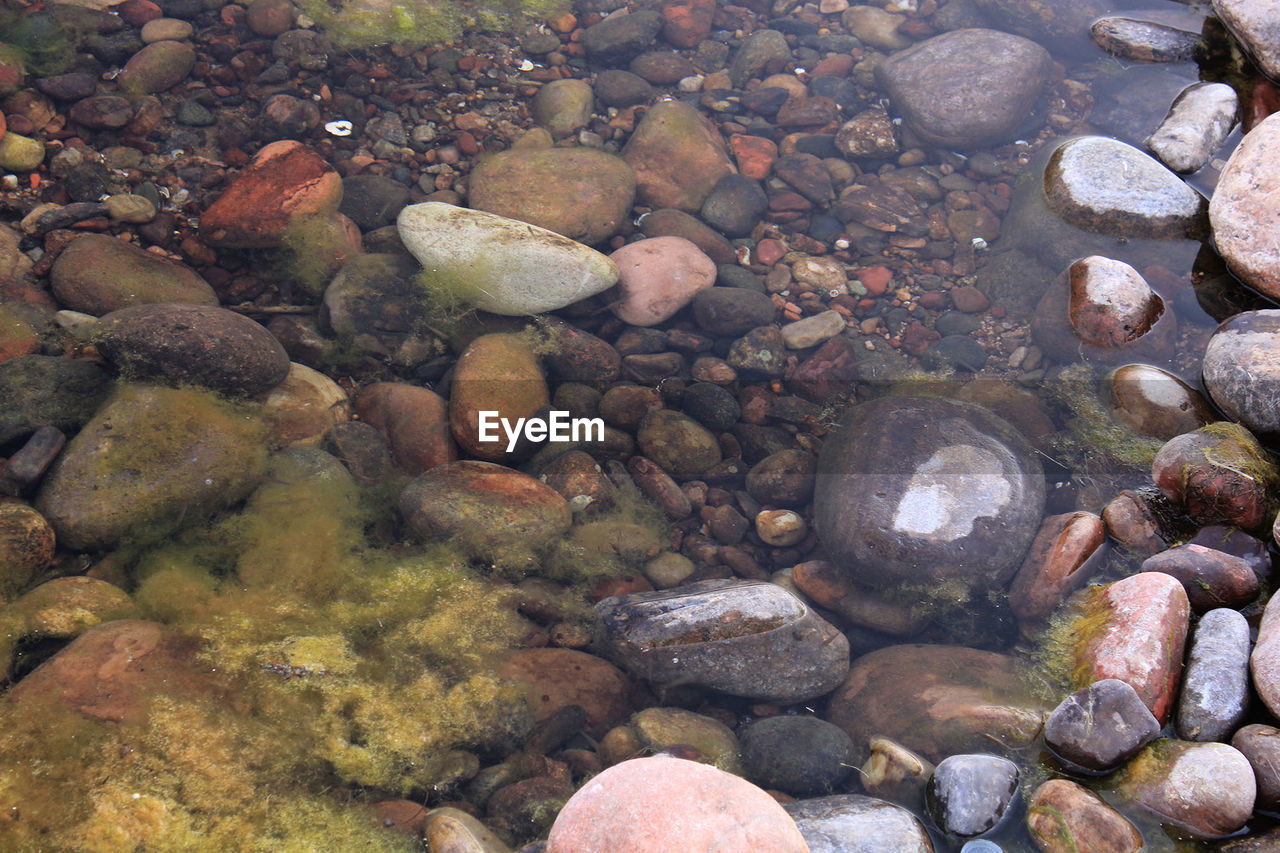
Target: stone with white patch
(1199,121)
(1242,370)
(913,489)
(1111,304)
(497,264)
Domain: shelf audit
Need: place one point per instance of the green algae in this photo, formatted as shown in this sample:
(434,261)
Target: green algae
(311,250)
(354,669)
(362,24)
(1093,438)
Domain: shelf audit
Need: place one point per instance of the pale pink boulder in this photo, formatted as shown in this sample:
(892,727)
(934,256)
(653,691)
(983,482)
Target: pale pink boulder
(657,277)
(661,804)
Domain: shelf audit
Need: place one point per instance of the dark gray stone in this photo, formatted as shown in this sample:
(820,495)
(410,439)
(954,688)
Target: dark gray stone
(802,756)
(1101,726)
(744,638)
(712,406)
(783,479)
(916,489)
(851,823)
(735,205)
(758,50)
(1215,684)
(211,347)
(967,795)
(732,311)
(617,40)
(617,88)
(966,88)
(41,390)
(372,201)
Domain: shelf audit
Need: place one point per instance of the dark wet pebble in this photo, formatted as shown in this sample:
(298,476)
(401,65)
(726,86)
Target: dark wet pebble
(1212,578)
(803,756)
(724,311)
(362,449)
(40,389)
(735,205)
(968,795)
(207,346)
(712,406)
(372,201)
(783,479)
(617,40)
(617,88)
(1101,726)
(1261,745)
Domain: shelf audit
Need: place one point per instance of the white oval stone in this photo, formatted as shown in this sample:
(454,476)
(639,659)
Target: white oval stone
(501,265)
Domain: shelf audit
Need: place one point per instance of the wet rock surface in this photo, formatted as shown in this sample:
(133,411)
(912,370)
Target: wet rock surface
(968,795)
(858,824)
(1242,210)
(1101,726)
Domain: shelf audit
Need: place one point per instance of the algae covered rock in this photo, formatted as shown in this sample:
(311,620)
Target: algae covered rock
(498,264)
(484,508)
(96,274)
(677,155)
(581,193)
(26,545)
(150,458)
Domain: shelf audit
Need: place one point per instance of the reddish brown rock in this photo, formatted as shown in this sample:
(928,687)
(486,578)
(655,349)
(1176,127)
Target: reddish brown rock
(1261,745)
(97,274)
(935,700)
(1211,578)
(1132,521)
(698,808)
(484,508)
(1135,630)
(1219,473)
(755,155)
(687,22)
(1155,402)
(579,480)
(413,421)
(113,671)
(552,679)
(1064,817)
(284,182)
(1111,304)
(677,155)
(823,583)
(831,370)
(1057,565)
(496,374)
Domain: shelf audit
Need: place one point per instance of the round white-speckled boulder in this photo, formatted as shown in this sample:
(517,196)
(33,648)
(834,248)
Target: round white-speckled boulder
(919,489)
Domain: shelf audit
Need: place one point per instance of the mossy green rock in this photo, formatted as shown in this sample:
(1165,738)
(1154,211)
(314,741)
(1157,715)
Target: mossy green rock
(659,728)
(680,445)
(157,67)
(67,607)
(582,193)
(97,274)
(150,459)
(20,153)
(40,390)
(498,264)
(677,156)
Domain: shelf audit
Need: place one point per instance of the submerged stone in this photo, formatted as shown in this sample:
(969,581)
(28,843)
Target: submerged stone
(744,638)
(1100,726)
(966,88)
(1064,817)
(148,459)
(1215,689)
(936,700)
(851,823)
(1219,473)
(97,274)
(915,490)
(1146,41)
(804,756)
(1156,402)
(968,795)
(677,155)
(498,264)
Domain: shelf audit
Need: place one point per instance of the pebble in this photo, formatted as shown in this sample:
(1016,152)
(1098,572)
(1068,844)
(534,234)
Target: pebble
(876,27)
(1156,402)
(620,38)
(734,205)
(1204,789)
(193,344)
(497,373)
(1264,661)
(131,208)
(935,700)
(148,458)
(952,481)
(1064,817)
(1139,630)
(485,509)
(677,157)
(158,67)
(744,638)
(702,808)
(64,608)
(552,679)
(731,311)
(1260,744)
(563,106)
(851,823)
(580,193)
(1144,41)
(1101,726)
(1081,185)
(1241,374)
(373,201)
(657,277)
(758,50)
(165,29)
(803,756)
(951,102)
(26,545)
(1060,561)
(1211,578)
(1215,687)
(968,795)
(20,153)
(41,390)
(1219,473)
(656,729)
(498,264)
(868,134)
(303,408)
(1201,118)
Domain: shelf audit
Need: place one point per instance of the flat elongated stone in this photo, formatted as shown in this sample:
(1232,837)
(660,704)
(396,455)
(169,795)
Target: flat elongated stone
(1215,687)
(1103,185)
(1264,661)
(1146,41)
(744,638)
(1138,630)
(1057,565)
(1199,121)
(498,264)
(1211,578)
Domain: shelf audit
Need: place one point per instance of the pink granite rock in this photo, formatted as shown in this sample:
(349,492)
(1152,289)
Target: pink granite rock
(657,277)
(660,804)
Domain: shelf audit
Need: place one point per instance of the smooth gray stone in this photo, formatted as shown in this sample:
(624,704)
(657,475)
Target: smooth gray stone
(1215,684)
(851,823)
(1199,121)
(969,794)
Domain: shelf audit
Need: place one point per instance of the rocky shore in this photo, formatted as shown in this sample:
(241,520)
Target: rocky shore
(669,425)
